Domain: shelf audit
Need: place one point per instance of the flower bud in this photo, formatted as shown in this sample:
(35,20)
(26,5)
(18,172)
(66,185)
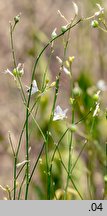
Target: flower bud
(67,64)
(63,29)
(71,101)
(94,24)
(95,97)
(47,81)
(71,59)
(73,128)
(17,72)
(53,84)
(17,18)
(77,91)
(54,34)
(105,178)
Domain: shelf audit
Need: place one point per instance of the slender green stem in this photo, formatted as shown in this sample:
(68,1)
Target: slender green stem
(12,44)
(56,147)
(70,144)
(27,109)
(35,165)
(91,162)
(88,184)
(70,177)
(19,194)
(14,60)
(15,65)
(33,170)
(46,146)
(55,98)
(20,170)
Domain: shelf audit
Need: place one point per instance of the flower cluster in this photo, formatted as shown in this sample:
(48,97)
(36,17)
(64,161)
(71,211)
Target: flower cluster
(18,71)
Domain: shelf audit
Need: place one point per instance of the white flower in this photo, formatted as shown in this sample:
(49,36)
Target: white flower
(75,8)
(34,88)
(18,71)
(59,114)
(64,68)
(96,110)
(101,10)
(101,85)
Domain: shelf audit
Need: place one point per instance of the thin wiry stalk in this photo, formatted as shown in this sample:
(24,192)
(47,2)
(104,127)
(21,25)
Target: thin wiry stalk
(71,140)
(22,95)
(70,176)
(28,103)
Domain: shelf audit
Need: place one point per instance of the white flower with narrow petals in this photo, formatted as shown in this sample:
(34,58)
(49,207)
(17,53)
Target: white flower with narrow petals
(101,10)
(101,85)
(59,114)
(34,88)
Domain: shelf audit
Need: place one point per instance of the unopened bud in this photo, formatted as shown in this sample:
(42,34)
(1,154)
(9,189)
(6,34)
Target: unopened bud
(67,64)
(54,34)
(63,29)
(105,178)
(53,84)
(47,81)
(77,91)
(71,101)
(95,97)
(73,128)
(71,59)
(94,24)
(17,18)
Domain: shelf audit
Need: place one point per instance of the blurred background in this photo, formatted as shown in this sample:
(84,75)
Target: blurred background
(38,19)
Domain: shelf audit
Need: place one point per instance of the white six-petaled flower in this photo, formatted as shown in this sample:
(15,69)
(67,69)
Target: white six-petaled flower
(34,88)
(59,114)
